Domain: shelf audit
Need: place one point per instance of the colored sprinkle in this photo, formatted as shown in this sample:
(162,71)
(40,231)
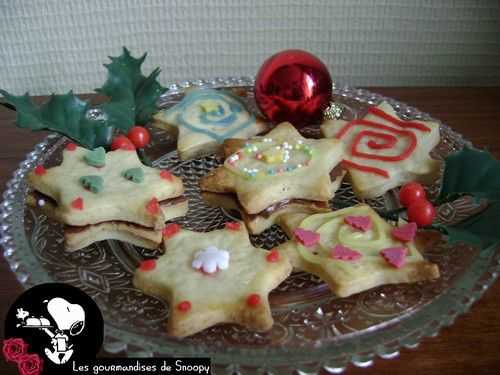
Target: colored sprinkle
(184,306)
(71,146)
(253,300)
(273,256)
(233,225)
(40,170)
(171,230)
(166,175)
(153,207)
(147,265)
(77,204)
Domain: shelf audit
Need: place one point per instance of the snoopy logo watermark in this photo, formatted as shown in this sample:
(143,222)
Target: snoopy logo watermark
(59,322)
(69,321)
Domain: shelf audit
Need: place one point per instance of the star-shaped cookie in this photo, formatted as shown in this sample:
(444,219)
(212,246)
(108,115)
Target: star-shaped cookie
(101,195)
(384,151)
(213,277)
(354,249)
(270,175)
(204,119)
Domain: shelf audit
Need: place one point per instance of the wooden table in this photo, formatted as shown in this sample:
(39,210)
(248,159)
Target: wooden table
(471,345)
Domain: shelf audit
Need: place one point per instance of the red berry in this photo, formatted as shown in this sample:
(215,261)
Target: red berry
(147,265)
(184,306)
(253,300)
(410,193)
(139,136)
(421,212)
(122,143)
(273,256)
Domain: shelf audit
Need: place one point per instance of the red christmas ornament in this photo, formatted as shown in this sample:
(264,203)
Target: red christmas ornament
(293,86)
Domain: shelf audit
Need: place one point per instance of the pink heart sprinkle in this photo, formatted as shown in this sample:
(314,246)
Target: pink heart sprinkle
(362,223)
(405,233)
(395,256)
(306,237)
(344,253)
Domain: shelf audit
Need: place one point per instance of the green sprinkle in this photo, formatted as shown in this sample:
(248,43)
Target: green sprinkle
(93,183)
(96,157)
(134,174)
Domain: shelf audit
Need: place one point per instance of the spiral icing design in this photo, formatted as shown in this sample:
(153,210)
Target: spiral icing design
(217,114)
(371,140)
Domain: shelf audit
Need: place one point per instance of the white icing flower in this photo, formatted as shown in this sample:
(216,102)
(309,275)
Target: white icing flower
(211,259)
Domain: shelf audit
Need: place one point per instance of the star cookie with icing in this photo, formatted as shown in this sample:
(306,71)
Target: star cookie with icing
(213,277)
(384,151)
(268,176)
(99,195)
(204,119)
(354,249)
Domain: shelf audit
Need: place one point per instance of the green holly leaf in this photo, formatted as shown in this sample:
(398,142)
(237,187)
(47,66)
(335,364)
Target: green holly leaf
(126,82)
(64,114)
(471,172)
(480,229)
(475,173)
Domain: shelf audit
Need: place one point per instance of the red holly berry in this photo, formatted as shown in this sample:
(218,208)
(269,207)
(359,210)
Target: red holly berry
(122,143)
(410,193)
(139,136)
(421,212)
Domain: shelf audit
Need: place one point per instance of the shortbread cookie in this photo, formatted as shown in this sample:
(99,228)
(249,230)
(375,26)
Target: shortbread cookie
(383,151)
(78,237)
(204,119)
(354,249)
(213,277)
(265,175)
(91,188)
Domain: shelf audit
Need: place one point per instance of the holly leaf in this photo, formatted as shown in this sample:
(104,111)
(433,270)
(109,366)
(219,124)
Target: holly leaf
(480,229)
(125,81)
(471,172)
(64,114)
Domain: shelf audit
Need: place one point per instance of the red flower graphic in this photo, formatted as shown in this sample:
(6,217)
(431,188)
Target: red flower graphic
(30,364)
(14,348)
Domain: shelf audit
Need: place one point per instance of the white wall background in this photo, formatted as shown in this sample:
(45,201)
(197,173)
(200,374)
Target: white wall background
(55,45)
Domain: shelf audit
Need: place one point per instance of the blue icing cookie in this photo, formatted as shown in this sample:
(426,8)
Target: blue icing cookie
(216,114)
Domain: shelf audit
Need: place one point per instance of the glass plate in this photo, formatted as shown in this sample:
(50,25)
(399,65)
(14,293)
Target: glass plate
(313,329)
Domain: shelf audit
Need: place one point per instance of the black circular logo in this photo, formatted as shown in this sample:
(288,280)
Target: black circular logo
(57,322)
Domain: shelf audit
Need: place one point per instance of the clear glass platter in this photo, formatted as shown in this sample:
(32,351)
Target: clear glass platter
(313,329)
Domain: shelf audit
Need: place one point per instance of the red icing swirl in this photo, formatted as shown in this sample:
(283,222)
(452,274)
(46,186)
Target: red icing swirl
(382,137)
